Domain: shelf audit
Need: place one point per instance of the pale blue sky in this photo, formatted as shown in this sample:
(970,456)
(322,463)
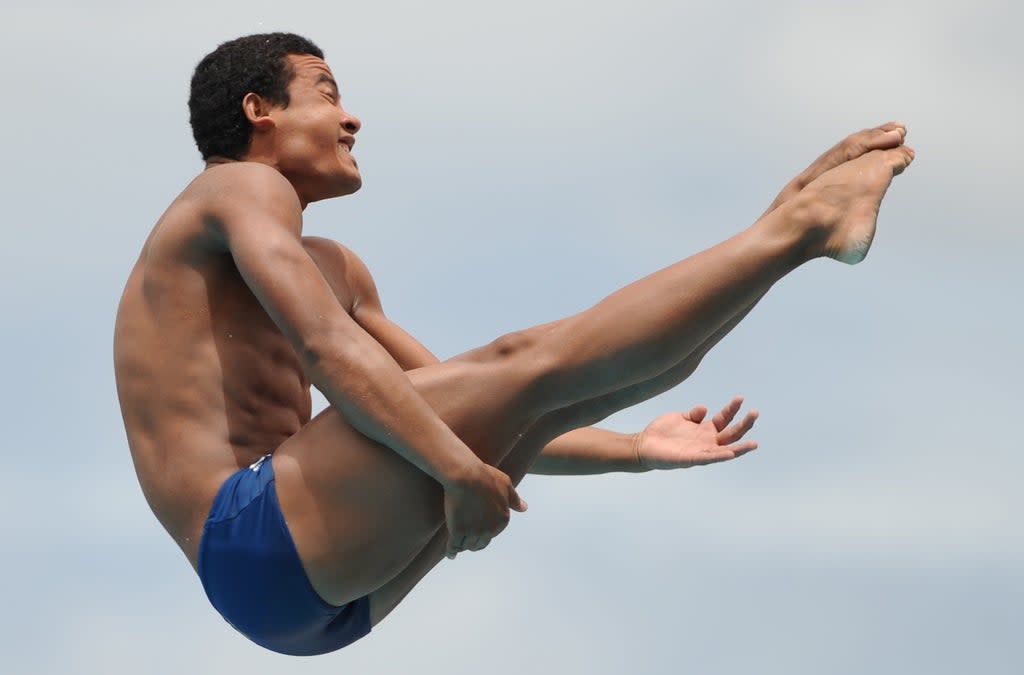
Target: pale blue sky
(521,161)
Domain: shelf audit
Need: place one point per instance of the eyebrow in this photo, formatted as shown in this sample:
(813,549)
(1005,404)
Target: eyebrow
(324,77)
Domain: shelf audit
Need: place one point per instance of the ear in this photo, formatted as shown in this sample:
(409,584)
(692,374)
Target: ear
(257,111)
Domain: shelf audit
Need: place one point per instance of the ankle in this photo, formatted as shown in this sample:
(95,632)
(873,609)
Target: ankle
(798,227)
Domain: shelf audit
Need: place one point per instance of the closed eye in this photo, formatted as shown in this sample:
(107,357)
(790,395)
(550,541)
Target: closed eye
(332,86)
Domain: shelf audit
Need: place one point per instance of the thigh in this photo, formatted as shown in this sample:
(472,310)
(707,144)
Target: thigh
(358,512)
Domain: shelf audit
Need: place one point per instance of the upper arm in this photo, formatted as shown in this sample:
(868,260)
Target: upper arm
(256,214)
(402,346)
(354,286)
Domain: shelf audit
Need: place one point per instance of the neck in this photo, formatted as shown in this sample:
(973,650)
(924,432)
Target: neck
(218,160)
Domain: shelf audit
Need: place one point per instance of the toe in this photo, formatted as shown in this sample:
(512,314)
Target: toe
(895,125)
(885,137)
(901,158)
(882,139)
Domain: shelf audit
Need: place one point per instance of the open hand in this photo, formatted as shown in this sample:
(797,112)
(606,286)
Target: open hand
(681,440)
(476,508)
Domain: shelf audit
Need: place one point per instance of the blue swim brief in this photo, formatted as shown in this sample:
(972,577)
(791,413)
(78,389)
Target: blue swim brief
(253,576)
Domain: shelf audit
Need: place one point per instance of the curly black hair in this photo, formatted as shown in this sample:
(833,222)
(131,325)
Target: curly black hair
(254,63)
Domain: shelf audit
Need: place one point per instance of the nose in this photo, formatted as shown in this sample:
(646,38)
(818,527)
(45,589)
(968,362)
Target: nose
(351,123)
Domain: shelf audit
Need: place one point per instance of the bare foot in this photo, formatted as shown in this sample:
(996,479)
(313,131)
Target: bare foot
(888,135)
(844,202)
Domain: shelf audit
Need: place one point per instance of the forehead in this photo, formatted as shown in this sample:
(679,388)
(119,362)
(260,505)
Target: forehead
(309,69)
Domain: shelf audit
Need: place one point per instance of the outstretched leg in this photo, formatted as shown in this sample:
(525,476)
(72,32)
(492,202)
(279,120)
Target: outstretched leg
(359,513)
(518,460)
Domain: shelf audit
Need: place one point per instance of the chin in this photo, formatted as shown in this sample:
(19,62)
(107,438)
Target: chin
(339,188)
(350,185)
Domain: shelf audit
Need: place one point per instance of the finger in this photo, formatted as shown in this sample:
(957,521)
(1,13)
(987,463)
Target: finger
(451,551)
(515,502)
(737,431)
(725,415)
(697,413)
(740,449)
(476,543)
(455,546)
(727,453)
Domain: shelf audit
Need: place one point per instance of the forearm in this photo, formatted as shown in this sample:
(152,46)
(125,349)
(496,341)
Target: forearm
(370,390)
(588,451)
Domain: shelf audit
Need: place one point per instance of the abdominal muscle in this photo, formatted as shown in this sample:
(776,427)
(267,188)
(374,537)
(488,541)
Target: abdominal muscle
(206,381)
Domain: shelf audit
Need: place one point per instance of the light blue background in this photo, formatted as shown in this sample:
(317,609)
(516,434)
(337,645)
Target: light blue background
(522,160)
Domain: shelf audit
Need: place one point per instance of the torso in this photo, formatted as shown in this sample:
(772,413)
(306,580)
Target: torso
(207,382)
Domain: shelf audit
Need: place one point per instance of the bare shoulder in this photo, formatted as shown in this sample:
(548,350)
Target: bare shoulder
(244,192)
(347,274)
(250,179)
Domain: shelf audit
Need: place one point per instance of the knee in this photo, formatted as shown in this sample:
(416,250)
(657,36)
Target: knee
(528,350)
(514,344)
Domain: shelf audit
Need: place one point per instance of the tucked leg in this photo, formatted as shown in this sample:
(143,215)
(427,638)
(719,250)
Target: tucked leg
(360,514)
(517,461)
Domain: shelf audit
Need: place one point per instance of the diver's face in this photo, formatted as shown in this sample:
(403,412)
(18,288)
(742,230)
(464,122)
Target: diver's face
(314,135)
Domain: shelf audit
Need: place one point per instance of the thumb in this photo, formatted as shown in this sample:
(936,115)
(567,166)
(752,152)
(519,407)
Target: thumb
(449,550)
(515,502)
(697,413)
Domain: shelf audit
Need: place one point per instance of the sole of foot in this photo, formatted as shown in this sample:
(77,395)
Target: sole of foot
(845,200)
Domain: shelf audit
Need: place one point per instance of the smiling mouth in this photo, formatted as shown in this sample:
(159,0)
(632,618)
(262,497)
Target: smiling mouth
(344,148)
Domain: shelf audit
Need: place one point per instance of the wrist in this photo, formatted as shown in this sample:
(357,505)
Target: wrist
(638,464)
(460,473)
